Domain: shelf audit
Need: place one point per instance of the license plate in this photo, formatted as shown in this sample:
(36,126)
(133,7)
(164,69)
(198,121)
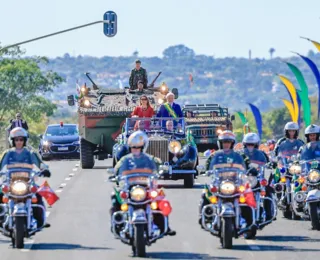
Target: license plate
(204,141)
(63,148)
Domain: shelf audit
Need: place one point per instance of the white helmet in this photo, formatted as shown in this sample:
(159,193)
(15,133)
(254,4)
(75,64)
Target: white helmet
(312,129)
(138,140)
(18,132)
(291,126)
(251,138)
(226,135)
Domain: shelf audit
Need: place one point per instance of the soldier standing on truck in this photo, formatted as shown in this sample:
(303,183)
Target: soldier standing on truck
(138,74)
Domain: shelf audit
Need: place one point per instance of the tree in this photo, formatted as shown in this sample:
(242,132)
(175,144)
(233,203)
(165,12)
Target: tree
(24,83)
(271,51)
(178,51)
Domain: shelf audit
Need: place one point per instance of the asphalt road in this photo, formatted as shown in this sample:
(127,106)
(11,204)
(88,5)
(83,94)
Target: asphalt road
(80,226)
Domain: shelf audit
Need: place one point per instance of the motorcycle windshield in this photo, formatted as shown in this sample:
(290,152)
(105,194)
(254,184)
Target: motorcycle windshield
(20,173)
(310,164)
(230,174)
(284,161)
(137,178)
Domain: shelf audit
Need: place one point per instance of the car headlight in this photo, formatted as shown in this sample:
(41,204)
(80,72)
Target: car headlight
(86,103)
(174,146)
(314,176)
(219,131)
(227,188)
(46,143)
(295,169)
(252,180)
(76,142)
(138,193)
(19,188)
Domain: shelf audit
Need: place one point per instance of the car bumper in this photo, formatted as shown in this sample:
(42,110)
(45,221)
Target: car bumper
(60,151)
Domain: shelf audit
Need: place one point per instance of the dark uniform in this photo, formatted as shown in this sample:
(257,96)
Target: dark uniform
(137,75)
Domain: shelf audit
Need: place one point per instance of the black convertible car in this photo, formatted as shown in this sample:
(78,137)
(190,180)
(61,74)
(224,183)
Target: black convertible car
(177,152)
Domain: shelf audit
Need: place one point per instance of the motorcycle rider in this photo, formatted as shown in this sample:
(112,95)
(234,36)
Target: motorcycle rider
(251,142)
(311,150)
(138,159)
(225,154)
(289,145)
(20,153)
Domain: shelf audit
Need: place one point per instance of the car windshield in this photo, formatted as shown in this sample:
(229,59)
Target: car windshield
(164,124)
(61,130)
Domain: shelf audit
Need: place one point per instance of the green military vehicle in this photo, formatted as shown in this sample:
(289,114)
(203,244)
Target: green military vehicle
(102,113)
(205,122)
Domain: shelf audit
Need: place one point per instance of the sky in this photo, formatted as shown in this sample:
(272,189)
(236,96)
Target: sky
(225,28)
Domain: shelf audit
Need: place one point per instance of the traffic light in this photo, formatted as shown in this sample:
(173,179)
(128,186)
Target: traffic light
(110,24)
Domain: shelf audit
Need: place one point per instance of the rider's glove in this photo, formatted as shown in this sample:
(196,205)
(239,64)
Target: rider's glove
(45,173)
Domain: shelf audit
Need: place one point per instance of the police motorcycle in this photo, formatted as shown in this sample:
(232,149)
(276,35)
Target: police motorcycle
(19,201)
(258,183)
(285,188)
(227,196)
(306,202)
(142,206)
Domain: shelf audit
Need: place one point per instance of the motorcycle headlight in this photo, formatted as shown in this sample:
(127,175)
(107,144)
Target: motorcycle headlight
(19,188)
(314,176)
(227,188)
(295,169)
(174,146)
(252,180)
(86,103)
(138,193)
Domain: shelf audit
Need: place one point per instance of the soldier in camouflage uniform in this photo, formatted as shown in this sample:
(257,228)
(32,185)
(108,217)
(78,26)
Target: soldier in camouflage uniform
(138,160)
(137,74)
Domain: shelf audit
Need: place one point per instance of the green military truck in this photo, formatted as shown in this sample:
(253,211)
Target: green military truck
(102,113)
(205,122)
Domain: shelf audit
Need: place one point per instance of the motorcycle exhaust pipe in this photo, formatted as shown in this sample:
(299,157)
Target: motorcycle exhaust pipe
(208,212)
(278,188)
(118,218)
(300,197)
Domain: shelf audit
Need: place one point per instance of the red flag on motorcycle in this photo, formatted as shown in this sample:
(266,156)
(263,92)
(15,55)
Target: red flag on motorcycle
(249,195)
(46,192)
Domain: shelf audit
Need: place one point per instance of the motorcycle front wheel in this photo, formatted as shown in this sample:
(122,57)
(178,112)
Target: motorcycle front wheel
(139,242)
(226,233)
(18,233)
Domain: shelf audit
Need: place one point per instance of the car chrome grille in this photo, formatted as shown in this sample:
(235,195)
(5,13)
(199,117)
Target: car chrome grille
(158,147)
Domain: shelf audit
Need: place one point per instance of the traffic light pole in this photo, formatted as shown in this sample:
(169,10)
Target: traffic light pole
(53,34)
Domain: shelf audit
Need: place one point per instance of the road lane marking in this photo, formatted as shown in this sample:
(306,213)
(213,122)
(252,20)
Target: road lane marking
(71,174)
(253,245)
(58,191)
(75,169)
(77,165)
(47,214)
(27,245)
(62,185)
(68,179)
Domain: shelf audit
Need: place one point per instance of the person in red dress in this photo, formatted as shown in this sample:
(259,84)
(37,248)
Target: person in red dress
(143,110)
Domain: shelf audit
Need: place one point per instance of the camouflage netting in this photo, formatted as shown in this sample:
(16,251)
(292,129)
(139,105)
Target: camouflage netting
(117,105)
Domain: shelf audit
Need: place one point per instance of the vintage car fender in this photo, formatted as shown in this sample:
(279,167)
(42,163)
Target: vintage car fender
(187,157)
(313,195)
(120,151)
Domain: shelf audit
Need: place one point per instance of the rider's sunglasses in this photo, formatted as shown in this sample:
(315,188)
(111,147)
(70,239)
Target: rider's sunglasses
(18,140)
